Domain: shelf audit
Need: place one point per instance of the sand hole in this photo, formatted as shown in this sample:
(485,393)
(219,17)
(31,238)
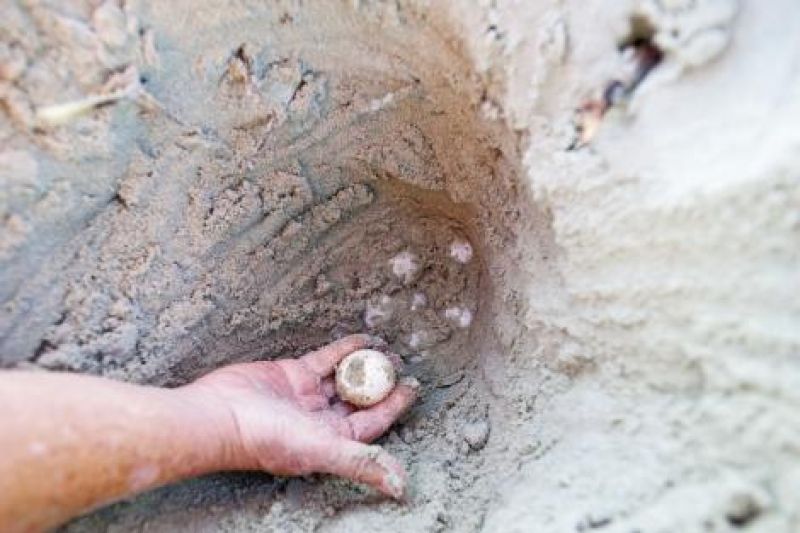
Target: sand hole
(284,195)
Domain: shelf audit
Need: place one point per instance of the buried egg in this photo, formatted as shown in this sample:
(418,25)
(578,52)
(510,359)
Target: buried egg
(365,377)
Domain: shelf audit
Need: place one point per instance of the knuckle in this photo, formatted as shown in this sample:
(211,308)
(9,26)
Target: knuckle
(362,466)
(359,431)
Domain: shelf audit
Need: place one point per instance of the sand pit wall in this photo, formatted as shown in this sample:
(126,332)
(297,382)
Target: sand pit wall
(606,333)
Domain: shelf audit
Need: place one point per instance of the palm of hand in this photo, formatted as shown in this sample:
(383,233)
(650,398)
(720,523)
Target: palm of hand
(290,421)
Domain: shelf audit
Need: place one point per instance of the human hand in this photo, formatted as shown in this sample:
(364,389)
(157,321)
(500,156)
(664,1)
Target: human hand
(288,420)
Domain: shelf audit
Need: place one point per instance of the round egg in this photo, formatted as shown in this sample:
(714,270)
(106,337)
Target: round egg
(365,377)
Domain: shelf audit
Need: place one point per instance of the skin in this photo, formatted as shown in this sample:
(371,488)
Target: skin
(72,443)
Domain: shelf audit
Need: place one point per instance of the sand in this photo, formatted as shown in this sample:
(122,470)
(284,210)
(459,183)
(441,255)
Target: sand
(607,334)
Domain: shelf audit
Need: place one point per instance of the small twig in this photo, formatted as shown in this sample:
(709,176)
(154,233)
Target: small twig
(58,114)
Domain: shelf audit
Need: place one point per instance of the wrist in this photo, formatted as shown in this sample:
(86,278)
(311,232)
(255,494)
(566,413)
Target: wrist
(213,428)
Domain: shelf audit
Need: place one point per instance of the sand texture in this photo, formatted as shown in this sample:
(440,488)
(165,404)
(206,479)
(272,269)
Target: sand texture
(607,334)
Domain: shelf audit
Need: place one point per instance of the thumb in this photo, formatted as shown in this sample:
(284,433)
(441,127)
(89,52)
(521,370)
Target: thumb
(368,464)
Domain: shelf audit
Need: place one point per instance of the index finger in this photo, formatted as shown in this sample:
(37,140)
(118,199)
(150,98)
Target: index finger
(324,360)
(368,424)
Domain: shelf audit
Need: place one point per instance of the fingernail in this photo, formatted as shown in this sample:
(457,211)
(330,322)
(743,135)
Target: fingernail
(375,452)
(395,485)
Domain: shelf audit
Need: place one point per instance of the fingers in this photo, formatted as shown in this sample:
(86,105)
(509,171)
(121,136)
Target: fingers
(312,402)
(327,387)
(370,465)
(369,424)
(341,408)
(323,361)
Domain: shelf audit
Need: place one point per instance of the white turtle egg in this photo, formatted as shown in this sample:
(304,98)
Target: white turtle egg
(461,251)
(460,315)
(405,266)
(365,377)
(418,301)
(379,313)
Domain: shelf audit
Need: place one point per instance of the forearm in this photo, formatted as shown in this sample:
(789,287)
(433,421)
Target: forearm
(70,443)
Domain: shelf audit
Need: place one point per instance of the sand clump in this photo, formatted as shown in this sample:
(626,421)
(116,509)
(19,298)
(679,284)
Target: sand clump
(605,334)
